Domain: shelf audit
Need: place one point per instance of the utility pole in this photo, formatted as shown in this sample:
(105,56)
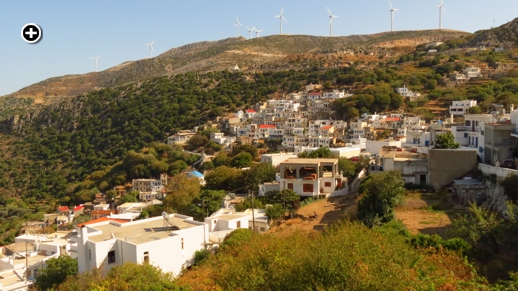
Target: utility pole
(253,212)
(26,262)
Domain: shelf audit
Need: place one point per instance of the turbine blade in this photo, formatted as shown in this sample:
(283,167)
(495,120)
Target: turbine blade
(391,5)
(152,42)
(329,11)
(282,8)
(284,19)
(278,16)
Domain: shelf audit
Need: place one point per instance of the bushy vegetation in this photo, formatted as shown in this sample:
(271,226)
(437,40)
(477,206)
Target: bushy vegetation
(129,276)
(382,192)
(347,256)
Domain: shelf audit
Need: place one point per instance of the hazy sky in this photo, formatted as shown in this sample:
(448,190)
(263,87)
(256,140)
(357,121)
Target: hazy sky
(116,30)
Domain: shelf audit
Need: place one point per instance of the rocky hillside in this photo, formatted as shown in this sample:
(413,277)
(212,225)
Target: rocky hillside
(506,34)
(265,53)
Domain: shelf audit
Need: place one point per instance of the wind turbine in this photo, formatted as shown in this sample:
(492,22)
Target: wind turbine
(331,16)
(150,49)
(250,32)
(281,17)
(392,9)
(441,9)
(238,24)
(95,62)
(257,32)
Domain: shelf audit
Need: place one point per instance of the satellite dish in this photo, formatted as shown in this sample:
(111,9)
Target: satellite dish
(165,215)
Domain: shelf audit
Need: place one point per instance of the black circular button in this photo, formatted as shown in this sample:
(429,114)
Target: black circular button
(31,33)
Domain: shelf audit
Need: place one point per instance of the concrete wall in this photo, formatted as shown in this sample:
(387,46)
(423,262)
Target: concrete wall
(499,172)
(374,146)
(445,165)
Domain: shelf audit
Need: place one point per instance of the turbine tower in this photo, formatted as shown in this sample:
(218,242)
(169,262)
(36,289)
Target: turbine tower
(392,9)
(250,32)
(238,24)
(331,16)
(150,48)
(95,59)
(281,18)
(441,9)
(257,32)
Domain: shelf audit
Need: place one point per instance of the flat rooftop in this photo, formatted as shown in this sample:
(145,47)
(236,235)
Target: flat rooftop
(309,161)
(140,231)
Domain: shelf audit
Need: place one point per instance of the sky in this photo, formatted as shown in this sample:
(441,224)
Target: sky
(117,31)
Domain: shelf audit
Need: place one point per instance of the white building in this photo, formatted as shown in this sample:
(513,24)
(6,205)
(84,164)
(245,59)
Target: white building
(461,107)
(471,134)
(407,93)
(167,242)
(310,177)
(180,138)
(472,72)
(150,189)
(276,159)
(220,138)
(336,95)
(374,146)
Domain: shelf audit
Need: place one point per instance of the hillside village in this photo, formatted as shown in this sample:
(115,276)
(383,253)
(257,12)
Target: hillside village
(285,132)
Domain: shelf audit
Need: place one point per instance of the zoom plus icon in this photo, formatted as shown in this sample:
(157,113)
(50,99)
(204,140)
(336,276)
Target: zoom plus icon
(31,33)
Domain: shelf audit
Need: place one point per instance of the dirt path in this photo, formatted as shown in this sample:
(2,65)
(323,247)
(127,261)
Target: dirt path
(328,211)
(418,217)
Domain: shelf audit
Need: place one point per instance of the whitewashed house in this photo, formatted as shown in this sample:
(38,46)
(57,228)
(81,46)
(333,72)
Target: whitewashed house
(407,93)
(461,107)
(168,242)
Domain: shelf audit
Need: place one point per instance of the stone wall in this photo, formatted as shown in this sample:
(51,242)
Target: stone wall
(445,165)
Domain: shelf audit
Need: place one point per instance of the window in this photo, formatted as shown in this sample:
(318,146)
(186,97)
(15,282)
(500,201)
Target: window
(290,186)
(468,122)
(307,187)
(146,257)
(182,243)
(327,184)
(239,224)
(90,254)
(111,257)
(262,229)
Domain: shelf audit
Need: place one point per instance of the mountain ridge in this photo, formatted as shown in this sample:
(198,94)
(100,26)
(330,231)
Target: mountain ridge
(264,53)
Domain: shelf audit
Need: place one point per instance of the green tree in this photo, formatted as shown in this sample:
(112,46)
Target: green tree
(381,193)
(510,185)
(241,160)
(207,203)
(223,178)
(274,212)
(246,148)
(288,198)
(479,226)
(196,141)
(348,168)
(257,174)
(56,271)
(446,141)
(130,197)
(181,191)
(474,110)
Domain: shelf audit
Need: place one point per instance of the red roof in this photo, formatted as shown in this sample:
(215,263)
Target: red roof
(250,111)
(264,126)
(314,93)
(391,119)
(63,208)
(101,220)
(78,208)
(326,127)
